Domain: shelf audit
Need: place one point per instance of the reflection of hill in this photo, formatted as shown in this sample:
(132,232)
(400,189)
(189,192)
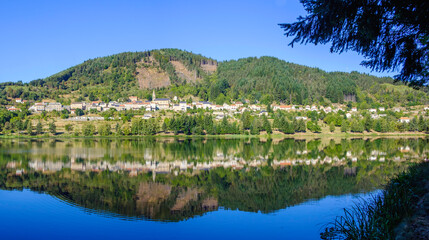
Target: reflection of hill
(174,198)
(172,180)
(291,186)
(184,198)
(150,196)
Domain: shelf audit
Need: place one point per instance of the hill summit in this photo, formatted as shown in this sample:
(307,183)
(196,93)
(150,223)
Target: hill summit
(174,72)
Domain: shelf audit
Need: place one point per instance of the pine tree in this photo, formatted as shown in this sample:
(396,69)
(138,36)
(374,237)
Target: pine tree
(377,126)
(413,126)
(52,128)
(39,128)
(118,129)
(254,127)
(422,124)
(357,126)
(276,122)
(267,125)
(368,123)
(301,126)
(164,126)
(344,126)
(246,120)
(332,127)
(29,129)
(313,127)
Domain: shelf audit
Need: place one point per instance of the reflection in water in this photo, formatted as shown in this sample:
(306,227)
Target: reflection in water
(173,179)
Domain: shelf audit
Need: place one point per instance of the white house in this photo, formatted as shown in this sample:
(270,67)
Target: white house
(404,120)
(255,107)
(38,107)
(53,106)
(282,107)
(147,116)
(239,104)
(328,109)
(78,105)
(263,112)
(13,109)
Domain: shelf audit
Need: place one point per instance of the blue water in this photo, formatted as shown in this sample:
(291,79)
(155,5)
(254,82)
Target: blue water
(170,189)
(29,215)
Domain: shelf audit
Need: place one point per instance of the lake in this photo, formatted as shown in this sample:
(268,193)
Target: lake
(158,188)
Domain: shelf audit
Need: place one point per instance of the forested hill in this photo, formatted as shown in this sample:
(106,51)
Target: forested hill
(174,72)
(297,84)
(133,69)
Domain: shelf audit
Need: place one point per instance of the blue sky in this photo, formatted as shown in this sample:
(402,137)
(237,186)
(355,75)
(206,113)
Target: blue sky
(40,38)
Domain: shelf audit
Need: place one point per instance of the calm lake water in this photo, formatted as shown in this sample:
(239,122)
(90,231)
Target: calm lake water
(158,188)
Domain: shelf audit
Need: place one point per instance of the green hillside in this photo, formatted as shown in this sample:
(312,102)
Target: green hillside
(271,79)
(174,72)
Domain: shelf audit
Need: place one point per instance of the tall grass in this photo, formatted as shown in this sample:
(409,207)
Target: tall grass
(378,217)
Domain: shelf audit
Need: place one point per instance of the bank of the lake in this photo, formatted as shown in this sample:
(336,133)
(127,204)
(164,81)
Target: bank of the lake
(230,136)
(399,212)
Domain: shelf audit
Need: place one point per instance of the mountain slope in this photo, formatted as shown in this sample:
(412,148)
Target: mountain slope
(180,73)
(293,83)
(125,68)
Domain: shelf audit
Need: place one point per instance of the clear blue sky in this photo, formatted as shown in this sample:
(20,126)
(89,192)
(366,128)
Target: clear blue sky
(40,38)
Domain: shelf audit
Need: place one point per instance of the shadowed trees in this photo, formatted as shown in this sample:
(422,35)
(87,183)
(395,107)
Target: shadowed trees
(391,35)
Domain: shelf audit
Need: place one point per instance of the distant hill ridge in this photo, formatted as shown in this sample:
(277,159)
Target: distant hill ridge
(168,66)
(175,72)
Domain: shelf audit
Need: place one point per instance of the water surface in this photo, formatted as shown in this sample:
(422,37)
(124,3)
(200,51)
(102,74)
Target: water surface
(159,188)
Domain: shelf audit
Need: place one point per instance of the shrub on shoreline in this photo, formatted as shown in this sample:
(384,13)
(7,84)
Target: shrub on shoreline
(378,217)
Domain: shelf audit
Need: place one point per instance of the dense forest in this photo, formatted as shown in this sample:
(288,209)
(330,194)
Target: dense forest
(264,79)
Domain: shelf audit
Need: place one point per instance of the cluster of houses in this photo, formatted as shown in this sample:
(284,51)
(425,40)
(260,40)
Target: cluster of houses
(219,110)
(135,104)
(166,104)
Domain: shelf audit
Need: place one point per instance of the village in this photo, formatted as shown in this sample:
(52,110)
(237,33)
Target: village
(219,111)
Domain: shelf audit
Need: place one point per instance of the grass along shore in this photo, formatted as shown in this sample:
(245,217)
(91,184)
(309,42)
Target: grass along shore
(275,135)
(399,212)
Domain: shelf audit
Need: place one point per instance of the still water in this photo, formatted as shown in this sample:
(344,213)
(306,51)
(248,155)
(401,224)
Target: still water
(158,188)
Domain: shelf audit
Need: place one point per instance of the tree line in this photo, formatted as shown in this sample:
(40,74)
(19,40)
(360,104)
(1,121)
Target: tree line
(205,123)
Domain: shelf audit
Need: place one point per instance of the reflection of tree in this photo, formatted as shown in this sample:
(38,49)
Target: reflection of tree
(199,150)
(177,197)
(267,190)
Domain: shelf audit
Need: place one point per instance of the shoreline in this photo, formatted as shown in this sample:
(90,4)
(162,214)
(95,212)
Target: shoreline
(230,136)
(399,212)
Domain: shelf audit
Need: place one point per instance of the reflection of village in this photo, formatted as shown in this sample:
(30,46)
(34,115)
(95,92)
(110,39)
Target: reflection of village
(92,161)
(154,198)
